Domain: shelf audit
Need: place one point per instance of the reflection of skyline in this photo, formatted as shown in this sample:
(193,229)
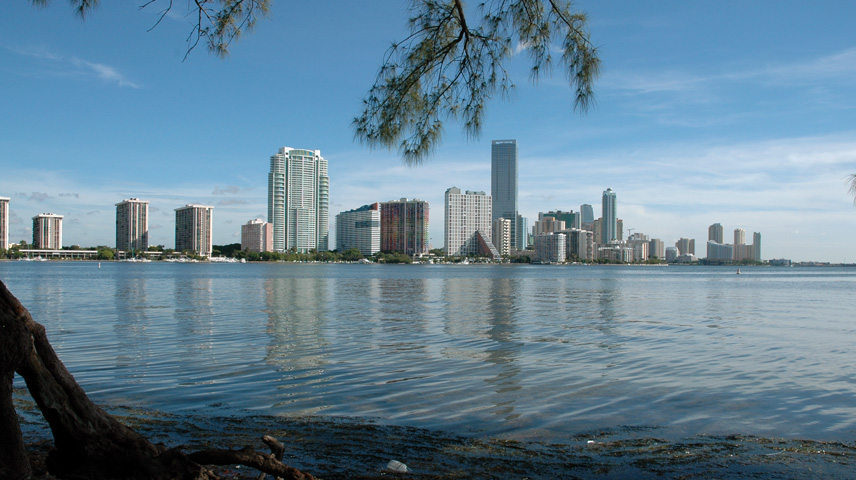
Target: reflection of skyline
(194,313)
(132,321)
(296,308)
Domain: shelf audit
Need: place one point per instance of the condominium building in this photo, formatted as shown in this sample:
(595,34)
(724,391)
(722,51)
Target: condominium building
(404,226)
(503,189)
(550,247)
(47,231)
(194,229)
(685,246)
(718,252)
(465,214)
(360,229)
(656,248)
(298,200)
(609,226)
(581,244)
(257,236)
(548,224)
(4,222)
(715,233)
(501,235)
(132,225)
(586,217)
(756,245)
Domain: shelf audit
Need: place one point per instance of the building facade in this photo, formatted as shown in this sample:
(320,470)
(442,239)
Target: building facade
(298,200)
(656,248)
(257,236)
(685,246)
(4,222)
(715,233)
(586,217)
(47,231)
(501,236)
(503,189)
(194,229)
(609,225)
(465,214)
(360,229)
(404,226)
(132,225)
(550,247)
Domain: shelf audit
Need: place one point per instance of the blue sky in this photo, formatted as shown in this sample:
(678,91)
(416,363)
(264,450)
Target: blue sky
(742,113)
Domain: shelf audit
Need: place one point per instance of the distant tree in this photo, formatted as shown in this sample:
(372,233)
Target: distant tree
(352,255)
(105,253)
(448,68)
(852,182)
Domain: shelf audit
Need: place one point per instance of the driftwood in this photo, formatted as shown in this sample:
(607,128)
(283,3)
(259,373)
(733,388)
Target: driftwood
(89,442)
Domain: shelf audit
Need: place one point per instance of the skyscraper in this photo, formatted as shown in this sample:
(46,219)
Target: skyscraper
(47,231)
(756,246)
(360,229)
(466,215)
(4,222)
(404,226)
(715,233)
(193,229)
(503,188)
(132,225)
(586,217)
(298,200)
(610,217)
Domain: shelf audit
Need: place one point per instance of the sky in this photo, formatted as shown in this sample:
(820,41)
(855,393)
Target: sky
(731,112)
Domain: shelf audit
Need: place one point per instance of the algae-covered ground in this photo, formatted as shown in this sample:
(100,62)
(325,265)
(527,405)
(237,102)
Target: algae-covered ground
(345,448)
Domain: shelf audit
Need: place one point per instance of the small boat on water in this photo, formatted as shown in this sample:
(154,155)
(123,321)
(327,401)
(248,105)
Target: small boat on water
(738,271)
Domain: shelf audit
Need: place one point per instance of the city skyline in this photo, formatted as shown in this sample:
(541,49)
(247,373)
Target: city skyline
(752,130)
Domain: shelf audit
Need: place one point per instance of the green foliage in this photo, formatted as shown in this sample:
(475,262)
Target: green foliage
(448,68)
(230,250)
(105,253)
(352,255)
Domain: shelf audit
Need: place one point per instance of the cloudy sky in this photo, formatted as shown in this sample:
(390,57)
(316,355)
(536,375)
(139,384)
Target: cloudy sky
(742,113)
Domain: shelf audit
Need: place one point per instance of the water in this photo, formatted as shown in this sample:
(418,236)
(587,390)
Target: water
(529,353)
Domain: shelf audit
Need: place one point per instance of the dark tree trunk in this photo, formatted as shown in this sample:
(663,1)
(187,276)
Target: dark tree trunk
(89,442)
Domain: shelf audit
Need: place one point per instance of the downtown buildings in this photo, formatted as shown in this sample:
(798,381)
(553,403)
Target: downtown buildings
(257,236)
(298,200)
(4,223)
(404,227)
(503,189)
(194,229)
(132,225)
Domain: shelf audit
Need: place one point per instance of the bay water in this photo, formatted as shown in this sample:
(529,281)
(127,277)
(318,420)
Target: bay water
(530,353)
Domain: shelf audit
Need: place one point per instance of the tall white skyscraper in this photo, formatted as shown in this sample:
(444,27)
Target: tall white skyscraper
(194,229)
(298,200)
(503,188)
(4,222)
(132,225)
(47,231)
(609,227)
(467,215)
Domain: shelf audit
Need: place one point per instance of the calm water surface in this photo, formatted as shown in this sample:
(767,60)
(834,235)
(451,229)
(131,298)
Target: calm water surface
(524,352)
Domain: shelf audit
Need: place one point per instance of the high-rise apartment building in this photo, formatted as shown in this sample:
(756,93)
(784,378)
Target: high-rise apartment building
(739,236)
(503,189)
(656,248)
(4,222)
(685,246)
(257,236)
(501,235)
(298,200)
(715,233)
(132,225)
(404,226)
(466,215)
(756,246)
(47,231)
(609,227)
(360,229)
(194,229)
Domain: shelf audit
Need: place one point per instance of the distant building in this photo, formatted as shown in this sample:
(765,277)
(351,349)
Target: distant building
(580,244)
(756,246)
(638,243)
(132,225)
(501,235)
(656,249)
(550,247)
(571,219)
(194,229)
(671,254)
(404,226)
(586,217)
(360,229)
(298,200)
(610,217)
(47,231)
(717,252)
(4,222)
(503,189)
(257,236)
(465,214)
(685,246)
(714,233)
(548,224)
